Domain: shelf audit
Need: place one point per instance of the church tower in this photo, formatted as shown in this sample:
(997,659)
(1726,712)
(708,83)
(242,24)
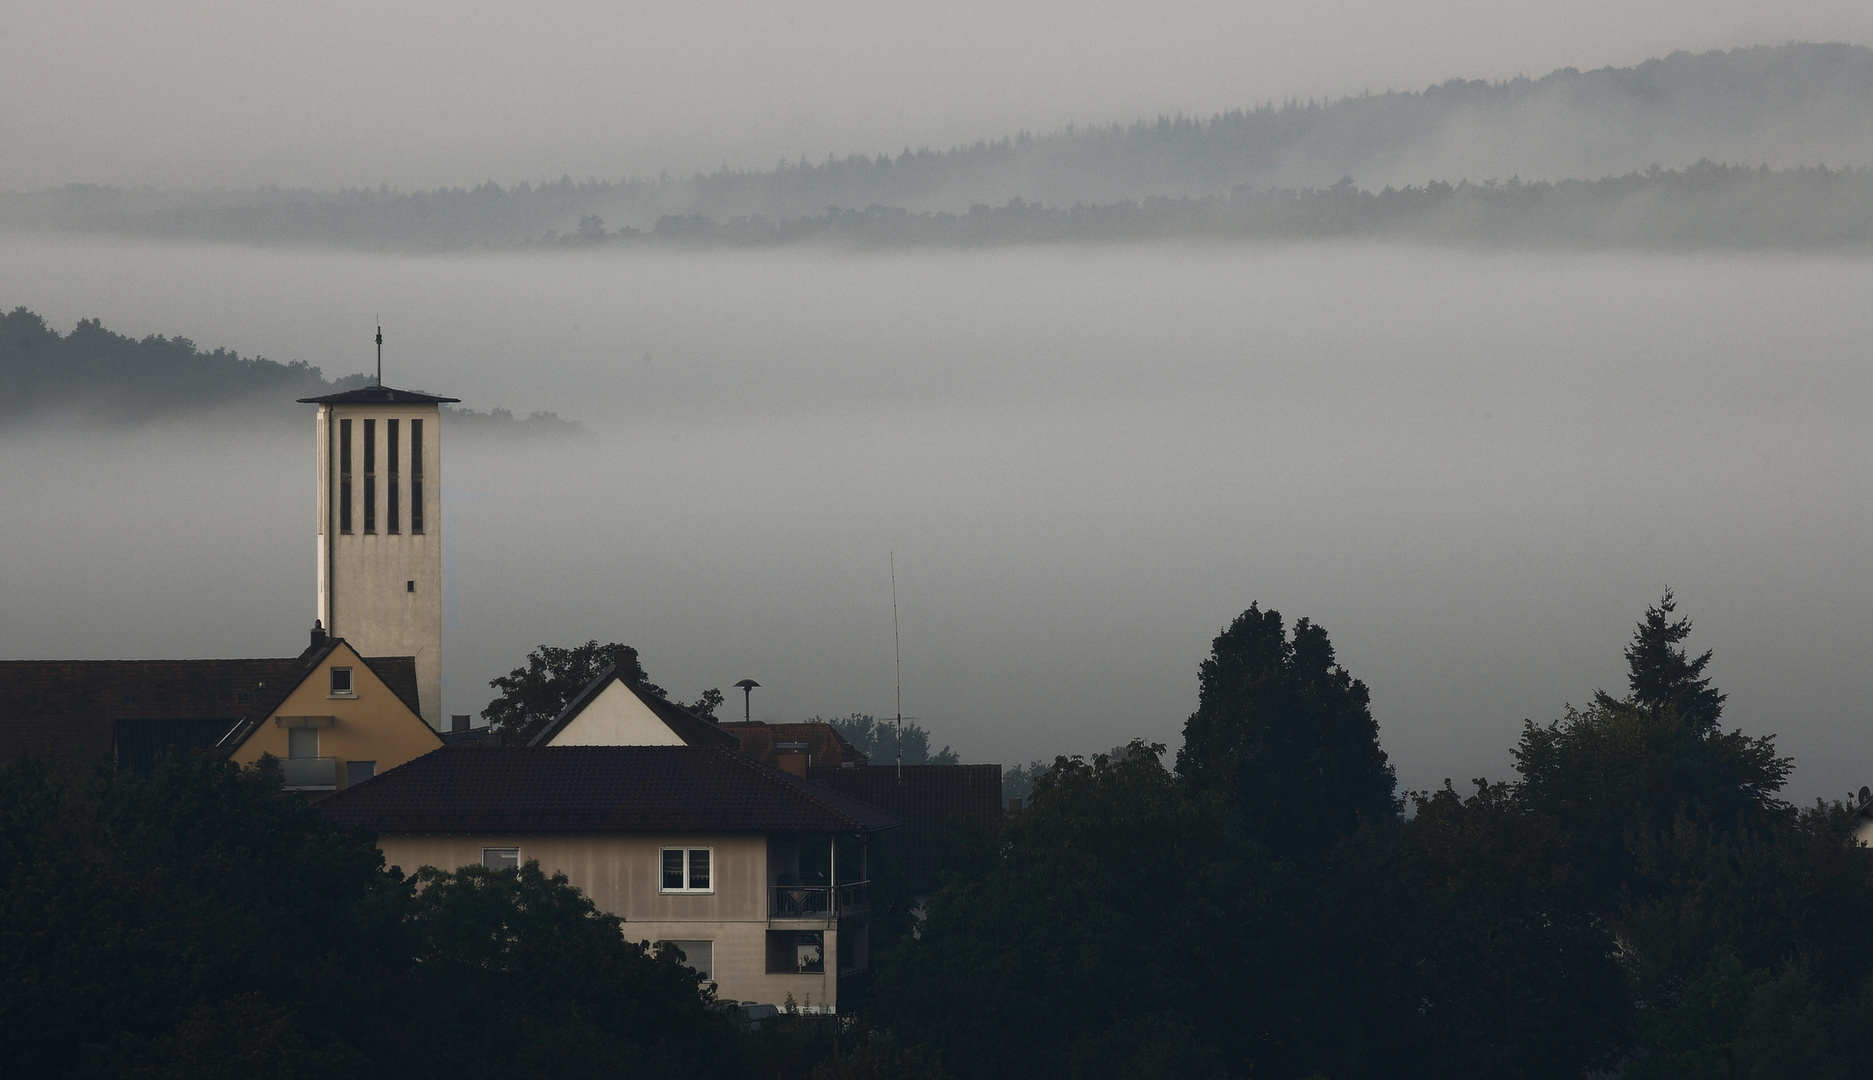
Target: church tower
(379,454)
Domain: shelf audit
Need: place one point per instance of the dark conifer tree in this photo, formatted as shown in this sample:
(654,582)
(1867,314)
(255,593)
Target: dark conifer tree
(1287,734)
(1662,675)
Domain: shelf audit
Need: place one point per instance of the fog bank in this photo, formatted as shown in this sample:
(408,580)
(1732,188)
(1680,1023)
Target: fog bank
(1475,470)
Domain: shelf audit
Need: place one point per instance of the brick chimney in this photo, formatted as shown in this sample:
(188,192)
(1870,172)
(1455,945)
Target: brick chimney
(318,634)
(625,658)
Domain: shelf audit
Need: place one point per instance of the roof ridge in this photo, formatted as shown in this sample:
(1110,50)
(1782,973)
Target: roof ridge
(793,783)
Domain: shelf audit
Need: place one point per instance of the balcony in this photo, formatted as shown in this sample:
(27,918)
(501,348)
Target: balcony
(817,901)
(310,773)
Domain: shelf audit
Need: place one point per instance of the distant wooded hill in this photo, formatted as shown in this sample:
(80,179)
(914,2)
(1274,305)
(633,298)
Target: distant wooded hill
(108,378)
(1786,107)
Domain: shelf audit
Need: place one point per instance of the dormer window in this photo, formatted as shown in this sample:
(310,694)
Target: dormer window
(341,683)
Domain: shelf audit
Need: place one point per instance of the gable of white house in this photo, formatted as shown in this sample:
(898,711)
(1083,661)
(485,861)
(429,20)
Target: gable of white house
(616,717)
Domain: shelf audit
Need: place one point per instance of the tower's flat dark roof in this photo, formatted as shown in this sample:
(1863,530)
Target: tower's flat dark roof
(378,395)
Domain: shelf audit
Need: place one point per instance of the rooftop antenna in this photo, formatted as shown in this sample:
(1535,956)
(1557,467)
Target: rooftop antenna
(897,658)
(380,351)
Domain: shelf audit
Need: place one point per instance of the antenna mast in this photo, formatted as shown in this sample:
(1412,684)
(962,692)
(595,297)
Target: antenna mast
(380,354)
(897,657)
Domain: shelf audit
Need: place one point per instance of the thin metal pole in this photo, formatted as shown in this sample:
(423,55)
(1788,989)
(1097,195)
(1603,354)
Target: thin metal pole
(897,657)
(380,354)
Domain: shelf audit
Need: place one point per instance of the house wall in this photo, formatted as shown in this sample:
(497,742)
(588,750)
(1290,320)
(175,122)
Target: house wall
(373,726)
(616,717)
(621,874)
(363,578)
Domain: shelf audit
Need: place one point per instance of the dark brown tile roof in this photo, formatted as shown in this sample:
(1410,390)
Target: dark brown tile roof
(377,395)
(558,789)
(930,799)
(692,729)
(71,707)
(823,743)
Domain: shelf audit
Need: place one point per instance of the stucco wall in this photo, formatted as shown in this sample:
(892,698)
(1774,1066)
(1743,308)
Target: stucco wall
(616,717)
(621,875)
(373,726)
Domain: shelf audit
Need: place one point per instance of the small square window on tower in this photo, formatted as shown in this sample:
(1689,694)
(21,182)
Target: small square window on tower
(341,683)
(409,586)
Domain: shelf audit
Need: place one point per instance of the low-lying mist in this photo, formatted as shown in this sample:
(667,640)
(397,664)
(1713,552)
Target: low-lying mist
(1474,469)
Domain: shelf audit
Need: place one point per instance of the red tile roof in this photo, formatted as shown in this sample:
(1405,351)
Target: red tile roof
(823,743)
(557,789)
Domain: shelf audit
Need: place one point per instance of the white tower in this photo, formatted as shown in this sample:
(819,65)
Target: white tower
(380,527)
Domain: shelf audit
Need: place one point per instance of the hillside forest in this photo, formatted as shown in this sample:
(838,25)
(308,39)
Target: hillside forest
(1763,146)
(97,376)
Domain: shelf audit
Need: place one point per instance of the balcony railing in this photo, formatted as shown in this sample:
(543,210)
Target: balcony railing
(817,901)
(310,773)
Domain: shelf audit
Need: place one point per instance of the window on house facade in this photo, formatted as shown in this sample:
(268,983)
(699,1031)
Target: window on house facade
(501,858)
(697,954)
(687,870)
(357,772)
(796,952)
(341,683)
(302,743)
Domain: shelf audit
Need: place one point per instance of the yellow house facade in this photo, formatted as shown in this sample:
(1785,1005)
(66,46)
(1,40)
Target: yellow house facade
(342,720)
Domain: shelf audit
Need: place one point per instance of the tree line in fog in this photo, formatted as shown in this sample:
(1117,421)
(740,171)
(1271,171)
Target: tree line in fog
(1704,205)
(102,377)
(1790,105)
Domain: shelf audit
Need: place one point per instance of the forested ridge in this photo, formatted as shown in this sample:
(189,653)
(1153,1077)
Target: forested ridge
(1638,901)
(102,377)
(1614,155)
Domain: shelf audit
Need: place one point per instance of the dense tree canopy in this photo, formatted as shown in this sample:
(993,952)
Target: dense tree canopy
(1638,899)
(196,923)
(1288,734)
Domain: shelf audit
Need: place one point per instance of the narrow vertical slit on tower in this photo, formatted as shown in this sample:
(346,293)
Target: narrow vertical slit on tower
(392,522)
(416,477)
(344,476)
(370,476)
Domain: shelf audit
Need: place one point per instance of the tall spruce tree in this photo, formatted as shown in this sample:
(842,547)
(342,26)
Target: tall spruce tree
(1661,675)
(1288,735)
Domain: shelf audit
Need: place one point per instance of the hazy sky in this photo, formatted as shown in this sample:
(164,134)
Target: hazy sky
(429,94)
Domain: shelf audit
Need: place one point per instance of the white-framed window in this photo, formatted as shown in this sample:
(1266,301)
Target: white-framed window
(687,870)
(341,683)
(696,954)
(501,858)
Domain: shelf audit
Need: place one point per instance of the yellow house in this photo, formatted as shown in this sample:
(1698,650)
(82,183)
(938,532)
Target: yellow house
(337,720)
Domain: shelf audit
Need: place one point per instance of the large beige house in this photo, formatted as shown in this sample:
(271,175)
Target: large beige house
(759,877)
